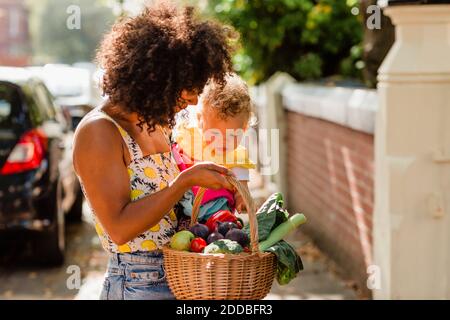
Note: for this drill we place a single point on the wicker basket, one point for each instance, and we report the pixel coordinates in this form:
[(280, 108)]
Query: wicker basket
[(198, 276)]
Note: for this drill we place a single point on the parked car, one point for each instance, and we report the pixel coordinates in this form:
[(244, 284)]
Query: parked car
[(38, 185), (73, 86)]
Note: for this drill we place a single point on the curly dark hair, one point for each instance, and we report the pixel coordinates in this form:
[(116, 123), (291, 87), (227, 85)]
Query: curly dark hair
[(148, 60)]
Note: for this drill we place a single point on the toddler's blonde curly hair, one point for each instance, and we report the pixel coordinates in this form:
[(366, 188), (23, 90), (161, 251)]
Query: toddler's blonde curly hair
[(228, 100)]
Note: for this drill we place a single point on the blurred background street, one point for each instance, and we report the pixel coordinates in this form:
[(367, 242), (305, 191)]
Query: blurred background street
[(21, 278), (313, 68), (47, 51)]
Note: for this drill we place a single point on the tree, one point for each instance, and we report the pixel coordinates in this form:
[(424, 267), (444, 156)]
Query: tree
[(377, 43), (57, 39), (309, 39)]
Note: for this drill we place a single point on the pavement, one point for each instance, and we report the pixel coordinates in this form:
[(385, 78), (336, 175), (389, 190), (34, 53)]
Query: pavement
[(21, 278), (319, 279)]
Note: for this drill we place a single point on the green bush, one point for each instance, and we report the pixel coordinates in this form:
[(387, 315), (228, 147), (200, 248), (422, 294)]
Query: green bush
[(309, 39)]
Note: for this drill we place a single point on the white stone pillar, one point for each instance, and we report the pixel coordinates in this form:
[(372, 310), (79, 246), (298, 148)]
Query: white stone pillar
[(412, 184)]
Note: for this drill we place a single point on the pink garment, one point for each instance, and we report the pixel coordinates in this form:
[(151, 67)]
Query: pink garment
[(209, 195), (178, 157)]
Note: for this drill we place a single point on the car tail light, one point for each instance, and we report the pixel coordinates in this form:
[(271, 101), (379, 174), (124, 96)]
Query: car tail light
[(27, 153)]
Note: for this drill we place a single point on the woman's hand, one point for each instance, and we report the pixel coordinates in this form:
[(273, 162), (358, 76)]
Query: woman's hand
[(207, 175)]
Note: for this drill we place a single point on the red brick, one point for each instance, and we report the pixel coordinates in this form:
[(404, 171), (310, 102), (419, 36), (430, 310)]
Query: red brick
[(338, 202)]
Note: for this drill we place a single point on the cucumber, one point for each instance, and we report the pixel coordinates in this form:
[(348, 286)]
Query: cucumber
[(282, 231)]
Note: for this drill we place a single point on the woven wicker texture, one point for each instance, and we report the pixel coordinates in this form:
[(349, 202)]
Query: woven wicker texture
[(245, 276)]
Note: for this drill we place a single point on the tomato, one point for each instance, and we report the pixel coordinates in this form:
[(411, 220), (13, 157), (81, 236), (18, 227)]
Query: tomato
[(198, 244)]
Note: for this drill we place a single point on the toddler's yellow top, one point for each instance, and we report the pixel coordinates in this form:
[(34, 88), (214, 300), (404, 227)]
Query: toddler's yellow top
[(190, 140)]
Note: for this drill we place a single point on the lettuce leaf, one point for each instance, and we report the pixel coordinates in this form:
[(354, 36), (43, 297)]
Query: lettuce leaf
[(269, 216), (289, 262)]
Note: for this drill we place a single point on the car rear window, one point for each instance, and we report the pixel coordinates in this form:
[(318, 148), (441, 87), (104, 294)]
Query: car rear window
[(10, 105)]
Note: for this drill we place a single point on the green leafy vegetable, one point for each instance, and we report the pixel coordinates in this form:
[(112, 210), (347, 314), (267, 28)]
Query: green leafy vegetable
[(282, 230), (223, 246), (289, 262), (270, 216)]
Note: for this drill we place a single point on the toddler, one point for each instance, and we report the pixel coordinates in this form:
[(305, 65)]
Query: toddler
[(222, 121)]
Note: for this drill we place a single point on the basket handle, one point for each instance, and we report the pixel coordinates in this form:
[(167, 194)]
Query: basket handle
[(248, 202)]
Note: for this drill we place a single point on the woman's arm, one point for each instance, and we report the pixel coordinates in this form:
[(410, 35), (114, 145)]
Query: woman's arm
[(99, 162)]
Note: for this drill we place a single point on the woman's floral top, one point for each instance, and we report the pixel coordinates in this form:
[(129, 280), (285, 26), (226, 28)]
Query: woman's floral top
[(148, 174)]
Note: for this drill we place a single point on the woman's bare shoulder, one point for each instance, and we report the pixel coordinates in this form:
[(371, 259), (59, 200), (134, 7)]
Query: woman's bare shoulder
[(93, 125), (96, 137)]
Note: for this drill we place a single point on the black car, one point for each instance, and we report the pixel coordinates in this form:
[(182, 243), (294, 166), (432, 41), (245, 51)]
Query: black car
[(38, 186), (77, 94)]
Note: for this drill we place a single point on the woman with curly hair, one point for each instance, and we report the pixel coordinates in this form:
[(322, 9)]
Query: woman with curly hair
[(155, 65)]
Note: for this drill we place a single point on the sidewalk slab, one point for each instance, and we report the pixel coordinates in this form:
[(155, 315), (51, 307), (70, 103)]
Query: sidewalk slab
[(317, 281)]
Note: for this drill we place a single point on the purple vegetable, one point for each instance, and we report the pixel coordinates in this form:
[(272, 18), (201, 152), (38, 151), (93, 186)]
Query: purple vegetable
[(200, 230), (214, 237), (239, 236), (224, 227)]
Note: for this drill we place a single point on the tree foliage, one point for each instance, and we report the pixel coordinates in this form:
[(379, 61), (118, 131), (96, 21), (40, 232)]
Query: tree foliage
[(309, 39), (377, 43)]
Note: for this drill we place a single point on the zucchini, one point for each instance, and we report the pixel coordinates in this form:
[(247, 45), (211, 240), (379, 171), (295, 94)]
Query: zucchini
[(282, 231)]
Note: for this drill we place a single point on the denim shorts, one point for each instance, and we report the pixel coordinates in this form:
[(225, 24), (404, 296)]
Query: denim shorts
[(136, 276)]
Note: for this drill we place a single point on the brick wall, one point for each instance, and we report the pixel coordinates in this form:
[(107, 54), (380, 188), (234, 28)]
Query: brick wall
[(330, 179)]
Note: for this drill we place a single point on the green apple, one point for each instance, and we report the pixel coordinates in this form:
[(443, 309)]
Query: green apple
[(182, 240)]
